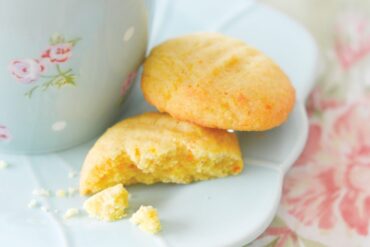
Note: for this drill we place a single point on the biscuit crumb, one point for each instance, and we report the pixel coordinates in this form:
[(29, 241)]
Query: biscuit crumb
[(109, 204), (146, 218), (3, 165), (61, 193), (72, 174), (45, 209), (33, 203), (41, 192), (70, 213), (72, 191)]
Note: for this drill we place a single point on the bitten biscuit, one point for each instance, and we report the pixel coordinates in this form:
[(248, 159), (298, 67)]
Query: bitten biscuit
[(217, 81), (154, 147)]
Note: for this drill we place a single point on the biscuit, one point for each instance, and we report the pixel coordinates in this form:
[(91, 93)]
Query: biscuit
[(218, 82), (154, 147)]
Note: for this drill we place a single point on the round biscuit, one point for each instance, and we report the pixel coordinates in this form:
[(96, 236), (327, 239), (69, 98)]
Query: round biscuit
[(217, 81)]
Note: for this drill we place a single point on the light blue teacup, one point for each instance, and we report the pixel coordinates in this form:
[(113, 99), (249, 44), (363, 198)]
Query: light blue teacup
[(65, 69)]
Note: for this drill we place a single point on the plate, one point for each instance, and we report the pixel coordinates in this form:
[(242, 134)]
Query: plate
[(224, 212)]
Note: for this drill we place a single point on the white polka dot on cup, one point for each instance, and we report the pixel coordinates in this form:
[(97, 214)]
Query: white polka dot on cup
[(59, 126), (129, 34)]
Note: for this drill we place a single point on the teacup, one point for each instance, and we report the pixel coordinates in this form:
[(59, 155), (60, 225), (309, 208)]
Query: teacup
[(66, 68)]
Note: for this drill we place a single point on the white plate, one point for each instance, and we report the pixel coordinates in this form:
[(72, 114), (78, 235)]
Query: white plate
[(224, 212)]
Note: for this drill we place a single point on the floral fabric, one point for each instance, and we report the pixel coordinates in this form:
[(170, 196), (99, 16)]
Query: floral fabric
[(326, 194)]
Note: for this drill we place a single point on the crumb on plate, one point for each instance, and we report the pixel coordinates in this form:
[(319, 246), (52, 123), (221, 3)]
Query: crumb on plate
[(3, 165), (70, 213), (33, 203), (72, 174), (72, 191), (45, 209), (109, 204), (41, 192), (146, 218), (61, 193)]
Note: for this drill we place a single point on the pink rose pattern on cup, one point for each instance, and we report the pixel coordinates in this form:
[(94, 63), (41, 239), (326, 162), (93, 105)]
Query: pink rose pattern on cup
[(326, 194), (33, 71), (126, 85), (27, 70), (59, 53), (128, 82), (4, 133)]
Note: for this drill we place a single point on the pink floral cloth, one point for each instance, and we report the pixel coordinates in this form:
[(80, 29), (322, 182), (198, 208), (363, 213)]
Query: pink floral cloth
[(326, 194)]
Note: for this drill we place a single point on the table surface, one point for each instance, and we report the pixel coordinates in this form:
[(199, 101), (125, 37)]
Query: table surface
[(326, 194)]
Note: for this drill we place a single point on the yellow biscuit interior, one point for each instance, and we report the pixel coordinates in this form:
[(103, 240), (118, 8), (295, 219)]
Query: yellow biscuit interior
[(154, 147)]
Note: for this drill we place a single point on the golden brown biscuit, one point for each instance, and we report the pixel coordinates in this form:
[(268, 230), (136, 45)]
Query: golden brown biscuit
[(154, 147), (218, 82)]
